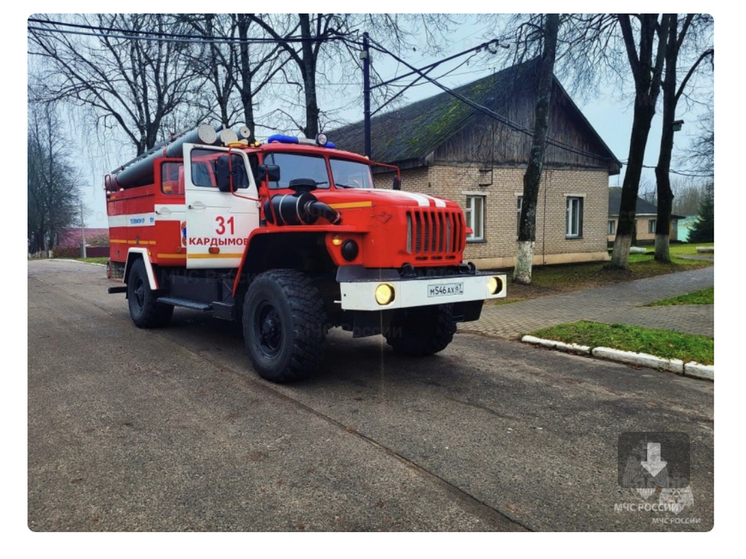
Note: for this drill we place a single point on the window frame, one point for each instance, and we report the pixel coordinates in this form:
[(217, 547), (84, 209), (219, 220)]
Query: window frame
[(574, 223), (476, 236)]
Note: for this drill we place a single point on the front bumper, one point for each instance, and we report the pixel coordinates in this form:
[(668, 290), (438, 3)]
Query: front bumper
[(421, 291)]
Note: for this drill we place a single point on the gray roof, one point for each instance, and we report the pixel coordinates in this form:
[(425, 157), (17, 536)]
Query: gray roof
[(413, 131), (643, 206)]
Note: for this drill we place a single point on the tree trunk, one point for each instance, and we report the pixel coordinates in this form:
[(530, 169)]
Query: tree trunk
[(308, 71), (663, 168), (647, 74), (532, 178), (247, 95)]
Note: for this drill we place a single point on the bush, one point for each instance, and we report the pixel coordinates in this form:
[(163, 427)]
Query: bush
[(66, 252), (703, 230)]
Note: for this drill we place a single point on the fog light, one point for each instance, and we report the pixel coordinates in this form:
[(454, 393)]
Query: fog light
[(350, 250), (384, 293), (495, 285)]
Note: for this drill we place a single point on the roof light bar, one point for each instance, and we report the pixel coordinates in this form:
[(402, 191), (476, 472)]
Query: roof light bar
[(321, 140)]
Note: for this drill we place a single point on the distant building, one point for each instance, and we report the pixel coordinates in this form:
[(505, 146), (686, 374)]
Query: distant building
[(684, 225), (646, 216), (73, 237), (446, 148), (71, 240)]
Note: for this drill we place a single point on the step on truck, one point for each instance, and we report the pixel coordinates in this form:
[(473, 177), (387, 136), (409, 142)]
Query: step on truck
[(288, 238)]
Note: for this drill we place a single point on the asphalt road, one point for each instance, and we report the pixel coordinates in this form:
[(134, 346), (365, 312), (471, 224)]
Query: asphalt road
[(171, 430)]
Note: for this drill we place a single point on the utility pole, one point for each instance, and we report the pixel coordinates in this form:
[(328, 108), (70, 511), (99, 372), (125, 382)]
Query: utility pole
[(82, 228), (365, 55)]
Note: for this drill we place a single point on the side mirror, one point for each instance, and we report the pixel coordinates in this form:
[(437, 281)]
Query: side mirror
[(222, 173), (268, 172), (230, 179), (397, 182)]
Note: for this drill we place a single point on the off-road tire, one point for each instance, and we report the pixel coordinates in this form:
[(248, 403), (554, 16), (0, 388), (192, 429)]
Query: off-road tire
[(421, 331), (145, 310), (284, 325)]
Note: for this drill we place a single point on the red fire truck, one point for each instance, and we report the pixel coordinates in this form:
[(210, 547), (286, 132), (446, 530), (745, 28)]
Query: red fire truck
[(288, 238)]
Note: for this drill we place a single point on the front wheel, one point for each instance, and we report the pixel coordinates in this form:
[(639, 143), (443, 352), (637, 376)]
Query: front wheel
[(145, 310), (421, 331), (284, 325)]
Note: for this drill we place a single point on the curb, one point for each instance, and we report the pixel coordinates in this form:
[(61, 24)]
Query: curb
[(676, 366)]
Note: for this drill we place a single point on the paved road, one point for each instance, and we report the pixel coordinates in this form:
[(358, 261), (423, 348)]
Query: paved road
[(170, 430), (617, 303)]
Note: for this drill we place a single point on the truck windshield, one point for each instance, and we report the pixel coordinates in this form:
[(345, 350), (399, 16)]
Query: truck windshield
[(294, 166), (350, 174)]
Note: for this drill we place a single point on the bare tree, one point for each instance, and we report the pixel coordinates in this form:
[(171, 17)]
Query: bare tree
[(700, 155), (688, 195), (646, 57), (312, 40), (235, 66), (214, 61), (532, 178), (315, 31), (672, 92), (255, 73), (53, 184), (124, 69)]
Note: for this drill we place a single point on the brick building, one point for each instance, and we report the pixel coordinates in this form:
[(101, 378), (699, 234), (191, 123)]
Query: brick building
[(646, 216), (447, 148)]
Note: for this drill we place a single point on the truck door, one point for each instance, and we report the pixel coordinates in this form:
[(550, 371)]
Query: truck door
[(222, 206)]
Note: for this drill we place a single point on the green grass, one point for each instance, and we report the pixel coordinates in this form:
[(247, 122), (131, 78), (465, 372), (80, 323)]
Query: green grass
[(96, 260), (661, 343), (561, 278), (688, 248), (703, 297)]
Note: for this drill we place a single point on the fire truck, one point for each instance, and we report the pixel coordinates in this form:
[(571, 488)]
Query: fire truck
[(288, 238)]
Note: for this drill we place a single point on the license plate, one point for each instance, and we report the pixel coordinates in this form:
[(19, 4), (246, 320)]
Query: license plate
[(445, 289)]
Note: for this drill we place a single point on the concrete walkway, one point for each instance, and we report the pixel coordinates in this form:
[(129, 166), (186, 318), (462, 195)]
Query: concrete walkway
[(618, 303)]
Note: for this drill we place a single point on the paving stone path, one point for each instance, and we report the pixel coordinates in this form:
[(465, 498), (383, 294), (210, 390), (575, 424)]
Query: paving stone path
[(618, 303)]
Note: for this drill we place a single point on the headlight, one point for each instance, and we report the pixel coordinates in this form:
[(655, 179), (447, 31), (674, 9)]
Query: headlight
[(495, 285), (385, 294)]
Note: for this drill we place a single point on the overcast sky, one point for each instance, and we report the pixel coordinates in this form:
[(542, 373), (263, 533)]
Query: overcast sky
[(610, 113)]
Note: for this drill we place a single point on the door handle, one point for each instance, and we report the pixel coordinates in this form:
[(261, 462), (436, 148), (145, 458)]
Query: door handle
[(197, 206)]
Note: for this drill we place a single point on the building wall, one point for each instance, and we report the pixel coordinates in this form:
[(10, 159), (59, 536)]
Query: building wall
[(504, 185), (643, 224)]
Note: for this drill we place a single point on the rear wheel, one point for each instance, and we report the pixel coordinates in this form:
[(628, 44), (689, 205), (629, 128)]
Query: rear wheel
[(145, 310), (284, 325), (421, 331)]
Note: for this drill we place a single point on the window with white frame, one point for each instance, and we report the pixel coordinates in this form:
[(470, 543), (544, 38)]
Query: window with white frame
[(611, 230), (651, 225), (474, 215), (518, 206), (574, 220)]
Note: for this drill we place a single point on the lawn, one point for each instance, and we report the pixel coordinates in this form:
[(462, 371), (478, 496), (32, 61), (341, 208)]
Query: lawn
[(703, 297), (661, 343), (560, 278)]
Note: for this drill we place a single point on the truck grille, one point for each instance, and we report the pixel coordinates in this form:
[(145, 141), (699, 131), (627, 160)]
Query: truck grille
[(432, 233)]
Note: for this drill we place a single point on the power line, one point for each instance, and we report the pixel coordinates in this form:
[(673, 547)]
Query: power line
[(135, 35), (682, 173)]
